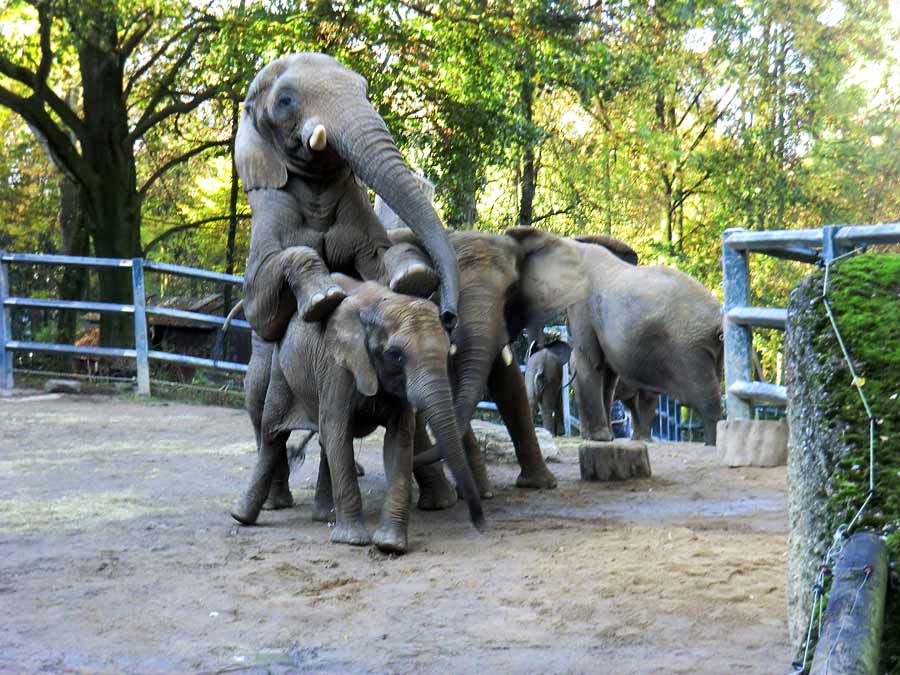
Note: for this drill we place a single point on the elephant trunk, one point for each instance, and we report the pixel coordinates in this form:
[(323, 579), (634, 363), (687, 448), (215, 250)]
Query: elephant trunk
[(477, 348), (360, 137), (431, 396)]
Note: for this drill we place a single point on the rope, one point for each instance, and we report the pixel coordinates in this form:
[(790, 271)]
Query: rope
[(842, 531)]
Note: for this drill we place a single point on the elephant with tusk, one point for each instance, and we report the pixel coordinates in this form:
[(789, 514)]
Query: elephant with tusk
[(378, 359), (307, 141)]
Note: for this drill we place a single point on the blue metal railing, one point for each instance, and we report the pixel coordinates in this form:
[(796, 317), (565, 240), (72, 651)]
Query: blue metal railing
[(141, 353)]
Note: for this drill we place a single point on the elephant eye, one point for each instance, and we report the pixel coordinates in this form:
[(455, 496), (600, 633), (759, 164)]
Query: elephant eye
[(393, 356)]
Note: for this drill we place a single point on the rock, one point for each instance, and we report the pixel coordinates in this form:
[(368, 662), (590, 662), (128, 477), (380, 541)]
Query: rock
[(63, 386), (498, 446), (613, 460), (752, 442)]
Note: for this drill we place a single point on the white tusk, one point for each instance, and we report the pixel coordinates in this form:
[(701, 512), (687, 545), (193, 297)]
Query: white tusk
[(453, 349), (507, 355), (318, 138)]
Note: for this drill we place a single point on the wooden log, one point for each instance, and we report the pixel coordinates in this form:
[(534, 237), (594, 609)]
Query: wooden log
[(850, 643), (613, 460)]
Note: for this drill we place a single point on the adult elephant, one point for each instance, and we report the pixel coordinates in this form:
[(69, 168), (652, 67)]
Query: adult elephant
[(378, 358), (652, 328), (544, 382), (307, 132), (507, 281)]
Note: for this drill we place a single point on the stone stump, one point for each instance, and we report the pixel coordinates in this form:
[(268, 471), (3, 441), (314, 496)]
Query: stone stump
[(752, 442), (613, 460)]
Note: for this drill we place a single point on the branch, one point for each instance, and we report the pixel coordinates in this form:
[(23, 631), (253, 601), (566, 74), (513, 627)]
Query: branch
[(43, 69), (175, 161), (155, 56), (558, 212), (189, 226), (148, 122), (63, 149)]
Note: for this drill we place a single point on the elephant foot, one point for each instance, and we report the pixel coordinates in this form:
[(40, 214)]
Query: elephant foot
[(280, 497), (390, 539), (416, 279), (354, 534), (541, 479), (245, 511), (435, 491), (323, 513), (321, 304)]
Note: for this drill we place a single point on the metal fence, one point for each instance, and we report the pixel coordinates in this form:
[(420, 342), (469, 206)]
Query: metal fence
[(139, 309), (809, 246)]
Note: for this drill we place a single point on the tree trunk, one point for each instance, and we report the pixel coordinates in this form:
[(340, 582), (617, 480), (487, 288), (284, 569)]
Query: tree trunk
[(113, 201), (232, 211), (73, 284), (529, 170)]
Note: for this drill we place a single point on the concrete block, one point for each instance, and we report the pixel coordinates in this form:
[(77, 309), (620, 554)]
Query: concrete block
[(752, 442), (614, 460)]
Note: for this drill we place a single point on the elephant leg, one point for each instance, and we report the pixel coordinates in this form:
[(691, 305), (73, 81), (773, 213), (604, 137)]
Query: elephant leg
[(273, 446), (477, 464), (508, 391), (547, 409), (292, 280), (435, 491), (410, 271), (646, 403), (558, 420), (335, 438), (280, 496), (391, 534), (323, 510), (590, 394)]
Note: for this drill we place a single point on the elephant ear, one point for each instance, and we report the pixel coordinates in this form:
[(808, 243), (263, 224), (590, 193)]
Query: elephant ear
[(551, 276), (616, 246), (258, 163), (345, 340)]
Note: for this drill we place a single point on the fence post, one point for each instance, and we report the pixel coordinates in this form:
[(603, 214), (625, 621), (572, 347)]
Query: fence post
[(829, 245), (567, 387), (6, 366), (141, 345), (736, 281)]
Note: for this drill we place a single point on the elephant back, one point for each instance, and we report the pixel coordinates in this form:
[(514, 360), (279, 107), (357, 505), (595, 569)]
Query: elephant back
[(616, 246)]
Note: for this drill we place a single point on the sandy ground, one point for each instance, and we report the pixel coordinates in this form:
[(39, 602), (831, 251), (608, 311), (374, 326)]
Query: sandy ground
[(117, 555)]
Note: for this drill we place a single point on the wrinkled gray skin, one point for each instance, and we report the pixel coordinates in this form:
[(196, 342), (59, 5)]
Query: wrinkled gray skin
[(544, 382), (310, 214), (506, 282), (379, 356), (652, 328)]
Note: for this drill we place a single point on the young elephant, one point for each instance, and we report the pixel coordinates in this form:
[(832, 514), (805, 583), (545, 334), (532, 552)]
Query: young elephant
[(306, 133), (379, 357), (652, 328), (544, 382)]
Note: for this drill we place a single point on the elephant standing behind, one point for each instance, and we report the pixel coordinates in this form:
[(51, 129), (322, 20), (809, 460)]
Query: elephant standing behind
[(544, 382), (306, 134), (380, 357), (652, 328), (507, 281)]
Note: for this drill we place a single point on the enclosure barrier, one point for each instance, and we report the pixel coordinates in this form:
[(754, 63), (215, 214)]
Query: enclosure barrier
[(809, 246), (141, 353)]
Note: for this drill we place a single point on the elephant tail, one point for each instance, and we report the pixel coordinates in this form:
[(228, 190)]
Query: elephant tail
[(616, 246), (218, 347)]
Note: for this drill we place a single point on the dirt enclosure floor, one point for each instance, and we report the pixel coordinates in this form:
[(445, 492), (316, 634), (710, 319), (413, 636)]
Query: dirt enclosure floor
[(117, 555)]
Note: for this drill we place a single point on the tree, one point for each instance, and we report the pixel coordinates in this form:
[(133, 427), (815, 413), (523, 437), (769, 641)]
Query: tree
[(137, 68)]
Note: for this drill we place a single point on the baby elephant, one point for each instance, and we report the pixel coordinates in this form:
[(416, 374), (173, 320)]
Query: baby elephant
[(379, 358), (544, 382)]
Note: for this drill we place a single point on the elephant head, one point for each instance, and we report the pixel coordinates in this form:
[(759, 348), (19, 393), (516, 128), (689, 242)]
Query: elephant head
[(396, 344), (307, 115)]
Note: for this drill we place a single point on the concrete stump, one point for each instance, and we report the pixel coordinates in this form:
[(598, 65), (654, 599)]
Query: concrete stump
[(613, 460), (63, 386), (752, 442)]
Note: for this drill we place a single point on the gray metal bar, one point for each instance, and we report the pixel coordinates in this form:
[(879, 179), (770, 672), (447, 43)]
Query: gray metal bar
[(745, 240), (197, 361), (141, 344), (567, 388), (850, 236), (24, 346), (829, 245), (193, 272), (6, 366), (765, 317), (747, 390), (738, 341), (850, 642), (71, 260), (195, 316), (77, 305), (798, 253)]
